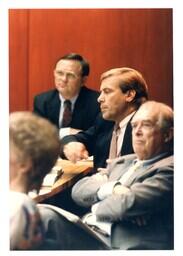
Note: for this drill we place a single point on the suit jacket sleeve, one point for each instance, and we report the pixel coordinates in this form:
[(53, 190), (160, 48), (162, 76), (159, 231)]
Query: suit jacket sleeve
[(47, 105), (149, 192), (147, 195), (38, 106), (85, 137), (91, 136), (85, 190)]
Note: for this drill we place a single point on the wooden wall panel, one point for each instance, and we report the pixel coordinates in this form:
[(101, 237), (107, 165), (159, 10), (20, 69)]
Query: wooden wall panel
[(18, 59), (138, 38)]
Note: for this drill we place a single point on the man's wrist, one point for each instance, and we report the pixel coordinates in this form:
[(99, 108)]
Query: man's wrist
[(105, 190), (120, 189), (64, 132)]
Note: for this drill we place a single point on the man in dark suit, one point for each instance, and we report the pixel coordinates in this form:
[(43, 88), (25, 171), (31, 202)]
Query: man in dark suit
[(71, 72), (132, 201), (123, 90)]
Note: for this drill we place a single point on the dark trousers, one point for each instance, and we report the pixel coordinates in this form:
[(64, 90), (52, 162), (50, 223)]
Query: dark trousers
[(62, 234)]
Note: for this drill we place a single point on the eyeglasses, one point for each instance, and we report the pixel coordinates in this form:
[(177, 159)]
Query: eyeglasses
[(68, 75)]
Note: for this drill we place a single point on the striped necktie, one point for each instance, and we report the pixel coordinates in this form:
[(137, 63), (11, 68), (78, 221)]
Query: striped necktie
[(67, 114), (113, 147)]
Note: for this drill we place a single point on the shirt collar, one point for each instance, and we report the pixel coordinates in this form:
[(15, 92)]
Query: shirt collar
[(152, 160), (126, 120), (73, 100)]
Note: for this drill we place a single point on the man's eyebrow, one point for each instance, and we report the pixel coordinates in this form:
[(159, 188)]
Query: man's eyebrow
[(107, 89), (143, 120), (147, 120), (67, 72)]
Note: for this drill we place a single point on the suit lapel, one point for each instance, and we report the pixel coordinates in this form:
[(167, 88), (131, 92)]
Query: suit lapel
[(78, 116), (127, 141), (120, 166), (54, 109), (145, 171), (141, 171)]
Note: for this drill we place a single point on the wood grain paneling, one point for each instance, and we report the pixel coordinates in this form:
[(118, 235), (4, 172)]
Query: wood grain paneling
[(18, 59), (108, 38)]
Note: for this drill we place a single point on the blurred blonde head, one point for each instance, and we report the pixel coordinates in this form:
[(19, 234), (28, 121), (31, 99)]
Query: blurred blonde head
[(34, 143)]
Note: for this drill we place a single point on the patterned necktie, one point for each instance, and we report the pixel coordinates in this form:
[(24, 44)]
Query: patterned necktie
[(113, 147), (67, 114), (130, 171)]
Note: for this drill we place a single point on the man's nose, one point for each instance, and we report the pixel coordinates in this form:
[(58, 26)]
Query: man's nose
[(138, 129), (64, 77), (100, 98)]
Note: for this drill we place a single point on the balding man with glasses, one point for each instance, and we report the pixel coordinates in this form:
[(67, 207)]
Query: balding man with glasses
[(71, 106)]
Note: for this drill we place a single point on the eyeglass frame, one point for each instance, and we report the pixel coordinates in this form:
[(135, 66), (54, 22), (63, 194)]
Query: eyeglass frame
[(69, 75)]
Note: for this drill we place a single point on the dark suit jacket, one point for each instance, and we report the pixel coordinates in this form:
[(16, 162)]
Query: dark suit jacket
[(86, 108), (150, 195), (97, 140)]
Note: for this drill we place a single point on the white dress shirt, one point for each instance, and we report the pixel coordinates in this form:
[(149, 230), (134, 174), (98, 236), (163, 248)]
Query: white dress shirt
[(122, 126)]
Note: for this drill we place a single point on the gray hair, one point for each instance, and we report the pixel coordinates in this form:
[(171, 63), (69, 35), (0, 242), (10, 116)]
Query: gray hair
[(34, 139)]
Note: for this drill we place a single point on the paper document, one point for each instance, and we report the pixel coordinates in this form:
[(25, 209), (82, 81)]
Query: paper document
[(51, 177), (91, 220)]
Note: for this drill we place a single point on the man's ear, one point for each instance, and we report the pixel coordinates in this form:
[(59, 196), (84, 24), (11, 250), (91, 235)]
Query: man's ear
[(25, 166), (168, 136), (84, 79), (130, 95)]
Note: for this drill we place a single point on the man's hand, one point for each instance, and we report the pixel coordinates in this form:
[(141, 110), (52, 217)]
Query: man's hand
[(75, 151), (139, 220), (120, 189), (74, 131), (100, 177), (102, 171)]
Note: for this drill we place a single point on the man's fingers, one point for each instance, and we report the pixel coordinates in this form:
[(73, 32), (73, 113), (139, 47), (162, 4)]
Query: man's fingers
[(75, 151), (101, 169), (108, 161), (85, 154)]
